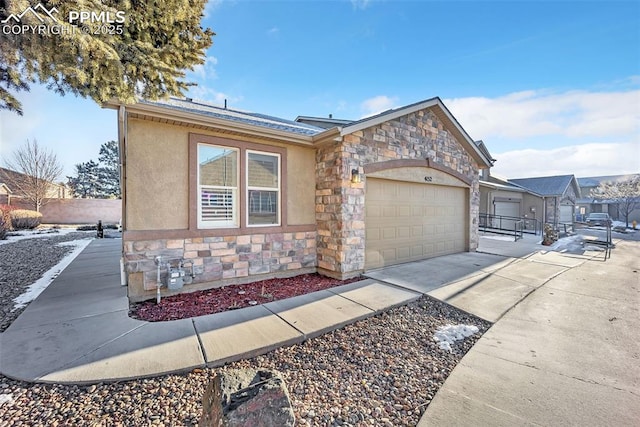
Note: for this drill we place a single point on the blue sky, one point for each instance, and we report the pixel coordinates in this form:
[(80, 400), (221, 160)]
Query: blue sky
[(551, 87)]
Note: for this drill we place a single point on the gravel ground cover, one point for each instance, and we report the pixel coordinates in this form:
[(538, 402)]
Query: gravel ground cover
[(381, 371), (23, 262)]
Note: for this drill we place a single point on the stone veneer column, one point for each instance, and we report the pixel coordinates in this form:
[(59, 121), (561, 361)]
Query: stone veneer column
[(340, 204), (339, 212)]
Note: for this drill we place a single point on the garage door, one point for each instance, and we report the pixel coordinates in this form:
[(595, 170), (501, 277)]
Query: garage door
[(508, 209), (406, 221), (566, 214)]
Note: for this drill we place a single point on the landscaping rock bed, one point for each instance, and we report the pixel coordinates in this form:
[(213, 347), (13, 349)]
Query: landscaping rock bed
[(211, 301), (382, 371)]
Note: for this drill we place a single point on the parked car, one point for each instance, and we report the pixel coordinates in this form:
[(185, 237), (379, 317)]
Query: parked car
[(601, 219)]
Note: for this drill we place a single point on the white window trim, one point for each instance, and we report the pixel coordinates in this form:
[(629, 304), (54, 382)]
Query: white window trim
[(234, 223), (278, 189)]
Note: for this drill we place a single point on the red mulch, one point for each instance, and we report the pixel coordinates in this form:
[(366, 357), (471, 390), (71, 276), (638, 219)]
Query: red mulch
[(232, 297)]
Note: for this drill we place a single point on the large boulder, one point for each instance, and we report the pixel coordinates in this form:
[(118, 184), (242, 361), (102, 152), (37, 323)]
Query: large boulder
[(247, 398)]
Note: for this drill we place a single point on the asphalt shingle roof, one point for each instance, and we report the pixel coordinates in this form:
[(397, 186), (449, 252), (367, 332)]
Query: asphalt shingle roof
[(206, 109), (545, 186)]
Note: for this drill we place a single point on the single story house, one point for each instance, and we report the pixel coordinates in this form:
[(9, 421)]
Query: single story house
[(557, 197), (589, 204), (15, 186), (501, 202), (5, 194), (247, 196)]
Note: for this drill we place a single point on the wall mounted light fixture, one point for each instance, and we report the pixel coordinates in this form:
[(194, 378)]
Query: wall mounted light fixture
[(355, 176)]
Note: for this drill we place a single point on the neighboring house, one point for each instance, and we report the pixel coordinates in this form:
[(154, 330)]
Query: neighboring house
[(501, 201), (5, 194), (588, 204), (12, 181), (558, 197), (247, 196)]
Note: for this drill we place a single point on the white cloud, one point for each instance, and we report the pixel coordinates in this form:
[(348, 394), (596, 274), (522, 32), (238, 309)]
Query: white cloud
[(273, 31), (210, 7), (211, 95), (377, 104), (572, 114), (592, 159), (206, 70), (360, 4)]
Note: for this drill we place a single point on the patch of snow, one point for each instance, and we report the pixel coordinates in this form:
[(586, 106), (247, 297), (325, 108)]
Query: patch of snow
[(41, 284), (497, 237), (568, 244), (14, 236), (449, 334), (6, 398)]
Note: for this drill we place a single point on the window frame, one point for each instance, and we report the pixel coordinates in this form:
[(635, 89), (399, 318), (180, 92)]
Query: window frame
[(242, 146), (247, 188), (235, 217)]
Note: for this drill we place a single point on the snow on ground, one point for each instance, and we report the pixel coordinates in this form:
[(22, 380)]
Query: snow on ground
[(574, 244), (41, 284), (498, 237), (6, 398), (449, 334), (14, 236)]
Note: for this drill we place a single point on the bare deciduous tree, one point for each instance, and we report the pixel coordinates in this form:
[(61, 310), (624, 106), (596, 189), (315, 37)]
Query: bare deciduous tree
[(626, 194), (38, 169)]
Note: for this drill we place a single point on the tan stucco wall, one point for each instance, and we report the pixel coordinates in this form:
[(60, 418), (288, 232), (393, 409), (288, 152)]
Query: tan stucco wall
[(158, 177), (301, 185), (529, 201)]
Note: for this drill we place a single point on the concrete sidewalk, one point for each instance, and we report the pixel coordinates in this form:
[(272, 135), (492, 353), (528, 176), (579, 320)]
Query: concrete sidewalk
[(564, 348), (568, 354), (78, 330)]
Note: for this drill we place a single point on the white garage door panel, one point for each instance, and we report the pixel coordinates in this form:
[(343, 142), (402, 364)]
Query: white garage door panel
[(566, 213), (410, 221), (509, 209)]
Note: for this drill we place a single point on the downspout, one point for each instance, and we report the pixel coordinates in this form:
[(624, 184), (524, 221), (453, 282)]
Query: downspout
[(122, 135)]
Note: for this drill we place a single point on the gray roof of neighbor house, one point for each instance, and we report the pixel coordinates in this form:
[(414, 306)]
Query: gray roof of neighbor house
[(256, 119), (546, 185)]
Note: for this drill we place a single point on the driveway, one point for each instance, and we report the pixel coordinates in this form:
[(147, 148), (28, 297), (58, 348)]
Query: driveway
[(567, 354)]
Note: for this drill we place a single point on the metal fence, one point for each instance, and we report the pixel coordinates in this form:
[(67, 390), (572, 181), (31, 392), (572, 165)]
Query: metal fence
[(509, 224)]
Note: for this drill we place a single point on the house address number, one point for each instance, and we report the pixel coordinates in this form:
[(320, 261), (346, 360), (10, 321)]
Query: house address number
[(428, 179)]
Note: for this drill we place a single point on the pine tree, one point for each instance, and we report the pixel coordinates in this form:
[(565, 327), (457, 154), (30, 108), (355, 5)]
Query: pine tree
[(109, 170), (146, 55), (86, 183)]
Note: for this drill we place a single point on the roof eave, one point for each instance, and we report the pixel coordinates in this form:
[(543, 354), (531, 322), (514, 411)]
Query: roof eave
[(333, 134), (215, 122)]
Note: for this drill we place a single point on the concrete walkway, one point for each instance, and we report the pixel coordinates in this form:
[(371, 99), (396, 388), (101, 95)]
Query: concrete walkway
[(564, 348), (78, 330), (568, 354)]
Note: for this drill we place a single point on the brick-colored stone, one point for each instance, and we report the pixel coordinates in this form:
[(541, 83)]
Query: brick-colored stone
[(175, 244), (257, 238), (243, 240), (230, 258)]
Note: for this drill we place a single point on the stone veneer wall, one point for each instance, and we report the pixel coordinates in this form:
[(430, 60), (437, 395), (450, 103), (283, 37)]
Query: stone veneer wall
[(340, 214), (225, 260)]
